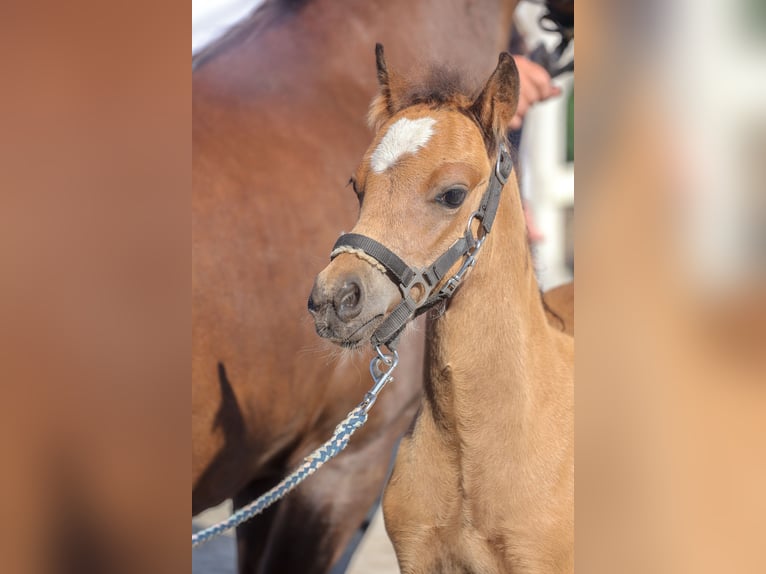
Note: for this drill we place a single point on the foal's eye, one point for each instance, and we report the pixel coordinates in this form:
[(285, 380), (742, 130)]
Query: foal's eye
[(453, 197)]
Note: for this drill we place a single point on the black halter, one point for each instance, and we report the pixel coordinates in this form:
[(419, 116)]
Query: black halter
[(426, 279)]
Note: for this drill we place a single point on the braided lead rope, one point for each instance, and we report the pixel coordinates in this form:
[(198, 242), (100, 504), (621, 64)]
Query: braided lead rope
[(313, 462)]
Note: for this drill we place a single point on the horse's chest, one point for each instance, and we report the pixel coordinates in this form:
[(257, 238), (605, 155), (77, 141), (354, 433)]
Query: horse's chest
[(451, 550), (433, 525)]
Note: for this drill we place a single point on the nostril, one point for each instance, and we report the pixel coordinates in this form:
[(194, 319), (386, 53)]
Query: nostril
[(347, 300), (313, 307), (351, 298)]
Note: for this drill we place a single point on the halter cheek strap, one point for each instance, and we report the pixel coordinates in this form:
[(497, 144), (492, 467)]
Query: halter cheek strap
[(409, 278)]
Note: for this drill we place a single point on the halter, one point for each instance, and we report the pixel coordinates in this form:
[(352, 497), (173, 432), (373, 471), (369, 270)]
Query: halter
[(426, 280)]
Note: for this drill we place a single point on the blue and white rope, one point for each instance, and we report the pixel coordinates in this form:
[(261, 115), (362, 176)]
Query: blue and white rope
[(355, 419)]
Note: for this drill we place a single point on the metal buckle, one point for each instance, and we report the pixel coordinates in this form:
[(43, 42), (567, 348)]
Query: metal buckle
[(454, 282), (451, 286), (381, 368), (470, 257)]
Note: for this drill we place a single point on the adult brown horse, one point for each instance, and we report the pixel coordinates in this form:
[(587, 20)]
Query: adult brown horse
[(278, 108)]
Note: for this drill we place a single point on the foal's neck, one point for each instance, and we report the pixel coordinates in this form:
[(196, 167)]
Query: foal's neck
[(485, 351)]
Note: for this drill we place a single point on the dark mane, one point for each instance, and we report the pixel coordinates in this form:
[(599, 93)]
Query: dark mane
[(442, 87)]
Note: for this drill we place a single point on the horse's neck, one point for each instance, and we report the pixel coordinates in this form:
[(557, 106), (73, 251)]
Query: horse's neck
[(486, 353)]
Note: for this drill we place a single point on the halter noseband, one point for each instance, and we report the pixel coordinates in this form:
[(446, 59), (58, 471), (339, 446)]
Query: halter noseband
[(409, 278)]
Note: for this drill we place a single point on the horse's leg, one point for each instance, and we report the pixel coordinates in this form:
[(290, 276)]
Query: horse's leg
[(314, 524), (253, 535)]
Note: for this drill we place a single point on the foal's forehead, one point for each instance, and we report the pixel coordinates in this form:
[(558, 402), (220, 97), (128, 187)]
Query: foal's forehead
[(420, 133)]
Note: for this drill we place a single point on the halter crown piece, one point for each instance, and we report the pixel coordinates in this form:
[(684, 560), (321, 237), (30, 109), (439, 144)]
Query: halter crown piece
[(408, 278)]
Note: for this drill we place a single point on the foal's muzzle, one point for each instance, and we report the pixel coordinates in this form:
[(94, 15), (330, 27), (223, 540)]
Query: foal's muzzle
[(348, 301)]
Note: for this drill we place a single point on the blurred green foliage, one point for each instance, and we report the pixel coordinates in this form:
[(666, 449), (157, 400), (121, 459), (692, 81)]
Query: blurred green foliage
[(755, 17)]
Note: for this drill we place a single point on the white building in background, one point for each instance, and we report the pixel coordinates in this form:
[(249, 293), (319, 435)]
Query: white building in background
[(547, 178), (548, 181)]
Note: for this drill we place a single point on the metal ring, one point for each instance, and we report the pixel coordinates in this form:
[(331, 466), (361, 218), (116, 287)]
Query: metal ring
[(476, 240), (388, 359)]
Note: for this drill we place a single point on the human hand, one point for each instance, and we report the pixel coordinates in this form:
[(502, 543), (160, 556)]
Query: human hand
[(534, 234), (535, 86)]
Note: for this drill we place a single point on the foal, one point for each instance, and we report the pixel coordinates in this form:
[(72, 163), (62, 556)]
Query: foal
[(483, 483)]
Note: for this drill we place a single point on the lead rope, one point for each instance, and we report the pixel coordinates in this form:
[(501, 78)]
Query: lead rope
[(381, 369)]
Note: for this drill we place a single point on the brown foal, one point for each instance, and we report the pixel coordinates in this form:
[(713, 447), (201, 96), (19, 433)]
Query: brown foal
[(483, 483)]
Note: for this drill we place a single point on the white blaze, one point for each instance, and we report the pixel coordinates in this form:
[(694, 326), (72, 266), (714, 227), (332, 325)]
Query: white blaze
[(404, 136)]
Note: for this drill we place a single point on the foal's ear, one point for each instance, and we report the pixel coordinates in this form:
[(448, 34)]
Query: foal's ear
[(383, 106), (496, 104)]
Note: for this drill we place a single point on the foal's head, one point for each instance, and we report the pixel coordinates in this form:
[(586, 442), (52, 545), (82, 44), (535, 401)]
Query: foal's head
[(417, 185)]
